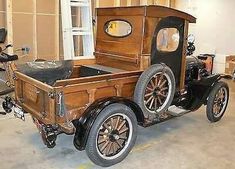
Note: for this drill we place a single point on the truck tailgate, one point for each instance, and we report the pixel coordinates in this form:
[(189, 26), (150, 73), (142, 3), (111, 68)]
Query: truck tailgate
[(35, 98)]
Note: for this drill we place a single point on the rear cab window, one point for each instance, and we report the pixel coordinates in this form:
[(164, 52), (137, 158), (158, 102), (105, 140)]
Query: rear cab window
[(118, 28)]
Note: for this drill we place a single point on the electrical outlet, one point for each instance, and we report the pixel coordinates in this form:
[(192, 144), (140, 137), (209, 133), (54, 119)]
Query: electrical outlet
[(26, 49)]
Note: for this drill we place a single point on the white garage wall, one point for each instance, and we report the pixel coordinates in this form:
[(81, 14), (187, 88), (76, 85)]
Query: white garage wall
[(215, 28)]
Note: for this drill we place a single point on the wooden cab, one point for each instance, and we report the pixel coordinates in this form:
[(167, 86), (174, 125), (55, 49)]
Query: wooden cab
[(136, 50)]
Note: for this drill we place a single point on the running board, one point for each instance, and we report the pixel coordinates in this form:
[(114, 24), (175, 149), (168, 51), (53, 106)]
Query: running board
[(177, 112)]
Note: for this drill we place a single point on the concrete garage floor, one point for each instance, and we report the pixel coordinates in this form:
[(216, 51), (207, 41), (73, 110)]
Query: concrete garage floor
[(188, 142)]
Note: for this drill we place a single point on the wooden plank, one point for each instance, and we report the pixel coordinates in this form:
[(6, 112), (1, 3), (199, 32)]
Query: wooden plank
[(135, 2), (84, 62), (2, 19), (26, 6), (97, 3), (47, 7), (128, 11), (106, 3), (143, 2), (25, 35), (9, 25), (129, 2), (133, 58), (117, 3), (57, 30), (36, 114), (184, 54), (117, 62), (46, 40), (68, 82), (52, 109), (35, 37), (172, 3), (150, 26), (162, 12), (2, 5), (34, 82)]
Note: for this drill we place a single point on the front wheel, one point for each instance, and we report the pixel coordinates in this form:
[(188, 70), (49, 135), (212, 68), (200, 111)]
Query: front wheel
[(217, 102), (112, 135)]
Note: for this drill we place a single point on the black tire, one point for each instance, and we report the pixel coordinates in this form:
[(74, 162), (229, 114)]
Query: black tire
[(220, 103), (95, 142), (142, 85)]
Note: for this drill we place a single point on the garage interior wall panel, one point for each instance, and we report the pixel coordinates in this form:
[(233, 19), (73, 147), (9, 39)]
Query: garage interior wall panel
[(61, 49), (106, 3), (123, 3), (46, 37), (2, 13), (2, 5), (23, 29), (135, 2), (35, 26), (46, 7), (22, 6), (46, 29), (2, 19), (162, 2), (23, 36)]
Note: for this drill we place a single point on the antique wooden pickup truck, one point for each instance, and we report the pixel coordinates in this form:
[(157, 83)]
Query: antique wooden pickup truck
[(140, 71)]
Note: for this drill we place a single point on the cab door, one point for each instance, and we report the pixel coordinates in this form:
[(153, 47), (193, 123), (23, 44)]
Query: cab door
[(167, 44)]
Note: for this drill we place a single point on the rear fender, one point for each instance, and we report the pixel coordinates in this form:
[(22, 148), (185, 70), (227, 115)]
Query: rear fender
[(84, 124)]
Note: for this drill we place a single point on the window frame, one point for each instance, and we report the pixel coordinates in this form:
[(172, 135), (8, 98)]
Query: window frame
[(123, 20), (161, 51)]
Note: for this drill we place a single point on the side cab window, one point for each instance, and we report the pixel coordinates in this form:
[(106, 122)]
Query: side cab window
[(167, 40)]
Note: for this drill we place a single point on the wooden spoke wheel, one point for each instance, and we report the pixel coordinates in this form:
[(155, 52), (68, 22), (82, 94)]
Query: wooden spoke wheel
[(220, 102), (155, 90), (112, 135), (156, 93), (217, 102)]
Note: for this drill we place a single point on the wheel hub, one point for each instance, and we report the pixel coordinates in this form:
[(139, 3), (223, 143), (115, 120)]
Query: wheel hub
[(156, 92), (114, 136)]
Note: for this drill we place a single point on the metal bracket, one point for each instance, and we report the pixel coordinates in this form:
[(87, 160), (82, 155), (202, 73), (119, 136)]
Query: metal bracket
[(61, 106), (51, 94)]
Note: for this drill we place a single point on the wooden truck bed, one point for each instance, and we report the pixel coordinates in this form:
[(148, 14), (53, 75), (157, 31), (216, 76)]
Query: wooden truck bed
[(66, 100)]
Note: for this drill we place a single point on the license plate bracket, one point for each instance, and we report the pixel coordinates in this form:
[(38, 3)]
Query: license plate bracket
[(19, 113)]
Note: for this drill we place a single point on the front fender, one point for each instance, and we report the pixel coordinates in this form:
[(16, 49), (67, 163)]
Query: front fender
[(200, 90), (84, 124)]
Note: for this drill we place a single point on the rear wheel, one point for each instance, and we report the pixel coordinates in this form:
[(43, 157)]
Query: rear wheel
[(217, 102), (112, 135)]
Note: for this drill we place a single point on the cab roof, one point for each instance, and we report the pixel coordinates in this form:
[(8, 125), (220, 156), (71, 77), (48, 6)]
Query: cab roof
[(147, 11)]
